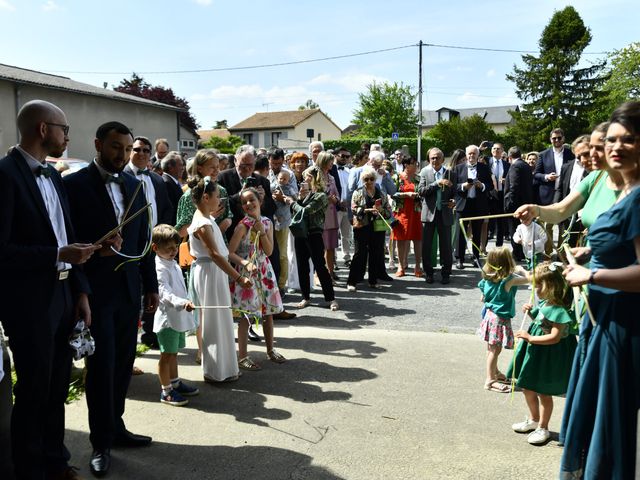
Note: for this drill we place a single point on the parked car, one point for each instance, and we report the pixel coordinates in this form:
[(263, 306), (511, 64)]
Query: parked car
[(67, 165)]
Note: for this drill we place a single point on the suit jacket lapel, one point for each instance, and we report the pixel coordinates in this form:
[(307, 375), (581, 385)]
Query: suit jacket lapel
[(30, 182), (98, 185)]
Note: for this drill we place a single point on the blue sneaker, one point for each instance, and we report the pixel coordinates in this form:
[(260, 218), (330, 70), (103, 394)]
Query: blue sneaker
[(186, 390), (173, 398)]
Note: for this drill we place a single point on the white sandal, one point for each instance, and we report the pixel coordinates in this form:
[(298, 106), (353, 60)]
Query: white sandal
[(304, 303), (334, 306)]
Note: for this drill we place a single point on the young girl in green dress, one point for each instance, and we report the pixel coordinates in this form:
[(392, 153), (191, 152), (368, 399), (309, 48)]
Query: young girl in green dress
[(542, 363)]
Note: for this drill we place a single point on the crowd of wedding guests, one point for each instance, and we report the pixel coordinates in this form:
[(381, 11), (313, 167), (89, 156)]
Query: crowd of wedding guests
[(204, 243)]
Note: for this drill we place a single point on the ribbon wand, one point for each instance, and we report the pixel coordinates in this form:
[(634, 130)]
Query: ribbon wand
[(117, 229), (577, 291)]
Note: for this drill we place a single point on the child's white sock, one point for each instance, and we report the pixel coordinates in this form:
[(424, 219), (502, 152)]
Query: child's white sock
[(166, 389), (175, 382)]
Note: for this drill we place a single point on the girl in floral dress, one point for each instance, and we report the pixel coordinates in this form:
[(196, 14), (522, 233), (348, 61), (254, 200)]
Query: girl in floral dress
[(498, 286), (249, 249)]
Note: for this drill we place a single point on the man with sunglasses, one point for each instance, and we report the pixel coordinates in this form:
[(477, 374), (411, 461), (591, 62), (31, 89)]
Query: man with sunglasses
[(155, 191), (547, 176)]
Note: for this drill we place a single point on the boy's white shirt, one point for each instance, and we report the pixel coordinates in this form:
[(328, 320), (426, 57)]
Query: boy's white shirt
[(173, 298), (528, 234)]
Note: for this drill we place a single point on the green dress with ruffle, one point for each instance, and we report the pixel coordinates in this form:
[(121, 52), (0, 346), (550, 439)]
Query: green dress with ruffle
[(545, 369)]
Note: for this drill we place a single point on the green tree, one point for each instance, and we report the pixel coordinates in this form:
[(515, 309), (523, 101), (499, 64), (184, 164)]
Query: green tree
[(622, 84), (386, 108), (458, 133), (309, 105), (221, 124), (225, 145), (556, 90)]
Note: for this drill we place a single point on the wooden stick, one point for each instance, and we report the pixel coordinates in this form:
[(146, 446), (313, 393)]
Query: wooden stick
[(487, 217), (221, 307), (577, 291), (135, 194), (115, 230)]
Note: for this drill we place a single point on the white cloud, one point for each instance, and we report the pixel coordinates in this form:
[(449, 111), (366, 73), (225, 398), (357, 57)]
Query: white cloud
[(5, 5), (468, 97), (491, 73), (356, 82), (50, 6), (204, 3)]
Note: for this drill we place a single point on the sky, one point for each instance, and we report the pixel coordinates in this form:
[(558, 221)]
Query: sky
[(96, 41)]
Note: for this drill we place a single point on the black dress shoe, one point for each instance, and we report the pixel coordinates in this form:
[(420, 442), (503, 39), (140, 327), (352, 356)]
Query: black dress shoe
[(445, 279), (284, 315), (460, 265), (128, 439), (428, 278), (385, 278), (253, 336), (100, 462)]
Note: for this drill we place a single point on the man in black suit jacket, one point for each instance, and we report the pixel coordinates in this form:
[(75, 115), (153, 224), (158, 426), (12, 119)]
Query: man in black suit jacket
[(44, 294), (161, 210), (99, 196), (234, 179), (499, 169), (572, 174), (472, 200), (173, 167), (547, 175), (518, 190)]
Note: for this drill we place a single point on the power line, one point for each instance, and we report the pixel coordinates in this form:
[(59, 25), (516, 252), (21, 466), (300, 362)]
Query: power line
[(313, 60), (247, 67)]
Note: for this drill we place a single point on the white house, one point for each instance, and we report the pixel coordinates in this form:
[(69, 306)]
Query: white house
[(291, 129), (498, 118)]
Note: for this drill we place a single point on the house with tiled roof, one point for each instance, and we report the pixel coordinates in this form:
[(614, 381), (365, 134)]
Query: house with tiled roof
[(289, 130), (498, 118), (87, 107)]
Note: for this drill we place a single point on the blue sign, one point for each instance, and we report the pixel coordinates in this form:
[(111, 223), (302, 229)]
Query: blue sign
[(395, 136)]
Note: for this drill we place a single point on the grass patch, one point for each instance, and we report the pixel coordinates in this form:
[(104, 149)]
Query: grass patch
[(141, 349)]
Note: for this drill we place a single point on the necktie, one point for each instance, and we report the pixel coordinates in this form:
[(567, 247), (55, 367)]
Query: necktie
[(115, 179), (438, 192), (43, 171), (144, 171)]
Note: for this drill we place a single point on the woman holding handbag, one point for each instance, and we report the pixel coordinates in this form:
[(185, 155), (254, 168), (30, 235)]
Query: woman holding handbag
[(371, 211), (307, 225)]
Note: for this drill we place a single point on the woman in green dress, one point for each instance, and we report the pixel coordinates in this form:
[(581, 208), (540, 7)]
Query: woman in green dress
[(542, 362)]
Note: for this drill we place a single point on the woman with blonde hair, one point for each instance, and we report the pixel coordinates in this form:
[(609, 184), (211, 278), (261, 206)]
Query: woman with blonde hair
[(324, 162)]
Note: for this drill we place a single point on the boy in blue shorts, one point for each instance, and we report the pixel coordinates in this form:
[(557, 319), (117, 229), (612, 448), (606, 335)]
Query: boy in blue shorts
[(173, 317)]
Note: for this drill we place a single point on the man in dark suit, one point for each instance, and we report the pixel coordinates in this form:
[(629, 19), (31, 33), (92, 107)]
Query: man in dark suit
[(472, 200), (499, 169), (437, 189), (155, 191), (173, 167), (234, 180), (99, 196), (572, 174), (518, 190), (44, 294), (547, 175)]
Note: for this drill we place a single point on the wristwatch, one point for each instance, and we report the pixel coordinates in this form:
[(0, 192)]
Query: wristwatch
[(592, 280)]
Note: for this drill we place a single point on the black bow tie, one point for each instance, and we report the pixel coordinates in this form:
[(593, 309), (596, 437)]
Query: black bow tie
[(43, 171), (114, 178), (341, 167), (144, 171), (472, 167)]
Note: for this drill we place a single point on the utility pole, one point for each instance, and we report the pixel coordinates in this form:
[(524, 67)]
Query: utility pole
[(420, 104)]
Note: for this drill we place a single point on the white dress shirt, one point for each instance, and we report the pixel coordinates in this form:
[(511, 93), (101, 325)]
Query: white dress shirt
[(149, 191), (558, 158), (343, 174), (114, 191), (498, 172), (51, 202), (576, 174)]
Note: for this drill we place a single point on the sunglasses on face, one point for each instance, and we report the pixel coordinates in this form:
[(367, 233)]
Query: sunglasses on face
[(556, 139), (368, 179), (140, 149)]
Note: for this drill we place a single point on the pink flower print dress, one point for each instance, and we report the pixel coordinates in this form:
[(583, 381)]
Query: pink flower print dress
[(263, 298)]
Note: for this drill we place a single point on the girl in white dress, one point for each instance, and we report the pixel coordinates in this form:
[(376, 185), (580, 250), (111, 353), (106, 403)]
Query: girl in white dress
[(210, 274)]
